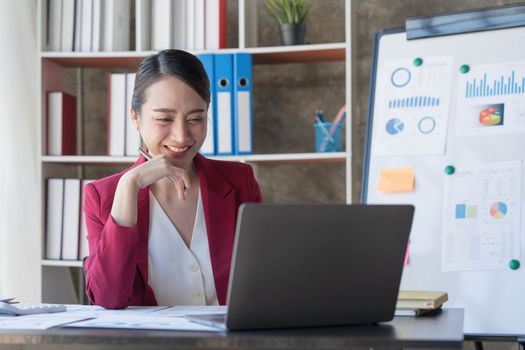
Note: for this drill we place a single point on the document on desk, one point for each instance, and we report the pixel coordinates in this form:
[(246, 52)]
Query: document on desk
[(190, 310), (143, 322), (92, 311), (38, 322)]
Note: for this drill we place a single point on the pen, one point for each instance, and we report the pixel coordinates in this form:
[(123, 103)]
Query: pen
[(338, 120), (319, 119), (144, 153), (148, 157)]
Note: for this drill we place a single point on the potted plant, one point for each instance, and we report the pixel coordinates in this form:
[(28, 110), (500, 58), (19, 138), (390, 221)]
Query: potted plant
[(291, 15)]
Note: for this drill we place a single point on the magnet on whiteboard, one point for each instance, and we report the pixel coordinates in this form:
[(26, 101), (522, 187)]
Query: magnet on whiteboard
[(514, 264), (464, 68)]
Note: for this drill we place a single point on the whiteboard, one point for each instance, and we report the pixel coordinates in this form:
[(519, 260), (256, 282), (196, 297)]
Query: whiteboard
[(492, 295)]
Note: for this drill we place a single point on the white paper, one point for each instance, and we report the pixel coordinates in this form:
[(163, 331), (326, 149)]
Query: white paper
[(481, 217), (491, 100), (412, 107), (143, 322), (92, 311), (40, 321), (190, 310)]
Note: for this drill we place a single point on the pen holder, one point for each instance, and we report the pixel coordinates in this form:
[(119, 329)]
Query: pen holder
[(324, 142)]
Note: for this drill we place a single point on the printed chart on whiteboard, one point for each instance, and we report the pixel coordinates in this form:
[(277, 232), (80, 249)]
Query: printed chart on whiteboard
[(481, 217), (413, 106), (491, 99)]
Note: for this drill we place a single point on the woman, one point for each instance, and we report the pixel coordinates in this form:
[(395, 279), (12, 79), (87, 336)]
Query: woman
[(162, 231)]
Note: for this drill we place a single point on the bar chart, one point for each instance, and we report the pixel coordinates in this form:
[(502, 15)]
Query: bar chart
[(414, 101), (504, 84)]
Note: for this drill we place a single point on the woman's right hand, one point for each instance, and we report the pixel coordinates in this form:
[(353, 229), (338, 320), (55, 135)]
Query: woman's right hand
[(158, 167), (124, 210)]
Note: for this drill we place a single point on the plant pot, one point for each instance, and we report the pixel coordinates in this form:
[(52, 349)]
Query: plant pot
[(293, 33)]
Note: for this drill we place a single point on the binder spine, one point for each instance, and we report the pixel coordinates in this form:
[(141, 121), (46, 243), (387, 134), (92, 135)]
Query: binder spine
[(224, 101), (243, 103)]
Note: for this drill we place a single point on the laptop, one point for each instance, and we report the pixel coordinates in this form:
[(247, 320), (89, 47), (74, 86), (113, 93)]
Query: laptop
[(314, 265)]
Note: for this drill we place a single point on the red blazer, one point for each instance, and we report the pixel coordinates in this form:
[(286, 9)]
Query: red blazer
[(117, 265)]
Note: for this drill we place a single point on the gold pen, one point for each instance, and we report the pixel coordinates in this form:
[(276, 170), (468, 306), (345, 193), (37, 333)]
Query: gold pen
[(148, 157)]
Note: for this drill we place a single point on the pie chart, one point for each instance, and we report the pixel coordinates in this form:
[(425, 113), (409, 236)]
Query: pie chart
[(490, 116), (498, 210), (394, 126)]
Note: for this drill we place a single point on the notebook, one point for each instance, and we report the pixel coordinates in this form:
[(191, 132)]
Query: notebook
[(314, 265)]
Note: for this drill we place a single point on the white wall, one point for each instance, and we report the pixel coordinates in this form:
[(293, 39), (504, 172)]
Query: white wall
[(19, 216)]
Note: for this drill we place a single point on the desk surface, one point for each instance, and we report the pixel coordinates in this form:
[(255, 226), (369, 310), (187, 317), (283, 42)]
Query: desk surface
[(442, 330)]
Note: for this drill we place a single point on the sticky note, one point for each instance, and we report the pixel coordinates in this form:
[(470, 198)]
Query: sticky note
[(396, 180)]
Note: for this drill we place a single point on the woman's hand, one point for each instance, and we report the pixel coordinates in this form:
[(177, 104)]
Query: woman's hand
[(156, 168), (124, 209)]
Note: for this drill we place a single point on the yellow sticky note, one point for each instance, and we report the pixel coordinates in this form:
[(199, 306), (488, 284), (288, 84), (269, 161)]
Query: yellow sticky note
[(396, 180)]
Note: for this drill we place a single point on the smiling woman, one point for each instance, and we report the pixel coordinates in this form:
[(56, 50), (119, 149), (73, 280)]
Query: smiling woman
[(161, 232)]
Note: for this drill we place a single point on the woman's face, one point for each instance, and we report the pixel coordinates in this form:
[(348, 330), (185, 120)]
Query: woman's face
[(173, 120)]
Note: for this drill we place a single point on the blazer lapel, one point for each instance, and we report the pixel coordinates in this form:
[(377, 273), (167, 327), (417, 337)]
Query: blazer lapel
[(220, 212), (143, 217)]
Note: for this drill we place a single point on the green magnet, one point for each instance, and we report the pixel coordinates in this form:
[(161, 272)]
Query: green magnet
[(464, 68), (514, 264), (449, 170), (418, 61)]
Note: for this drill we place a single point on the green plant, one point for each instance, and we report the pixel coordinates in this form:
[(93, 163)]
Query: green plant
[(289, 11)]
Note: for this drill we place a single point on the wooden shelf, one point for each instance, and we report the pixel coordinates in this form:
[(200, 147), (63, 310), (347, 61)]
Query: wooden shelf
[(64, 263), (261, 55), (283, 158)]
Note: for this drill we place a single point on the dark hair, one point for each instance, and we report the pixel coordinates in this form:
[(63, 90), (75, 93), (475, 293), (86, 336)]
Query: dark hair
[(175, 63)]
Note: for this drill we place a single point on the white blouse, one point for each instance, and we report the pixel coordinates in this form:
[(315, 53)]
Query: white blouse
[(179, 275)]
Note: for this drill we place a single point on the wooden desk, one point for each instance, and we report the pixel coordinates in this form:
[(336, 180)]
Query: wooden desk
[(443, 330)]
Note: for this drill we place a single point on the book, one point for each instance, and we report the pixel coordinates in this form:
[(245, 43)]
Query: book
[(68, 26), (78, 26), (132, 137), (200, 25), (54, 214), (116, 139), (179, 24), (414, 312), (71, 219), (61, 124), (87, 25), (142, 25), (54, 22), (190, 25), (84, 244), (209, 145), (161, 24), (97, 25), (420, 299), (116, 26), (216, 24)]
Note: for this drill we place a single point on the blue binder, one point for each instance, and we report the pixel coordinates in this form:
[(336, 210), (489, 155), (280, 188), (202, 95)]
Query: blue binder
[(242, 106), (224, 104), (209, 147)]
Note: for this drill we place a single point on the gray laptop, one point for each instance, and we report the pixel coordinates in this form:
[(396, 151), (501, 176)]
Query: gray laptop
[(314, 265)]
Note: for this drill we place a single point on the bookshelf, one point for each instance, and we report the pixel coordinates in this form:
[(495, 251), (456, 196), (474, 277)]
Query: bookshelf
[(63, 71)]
